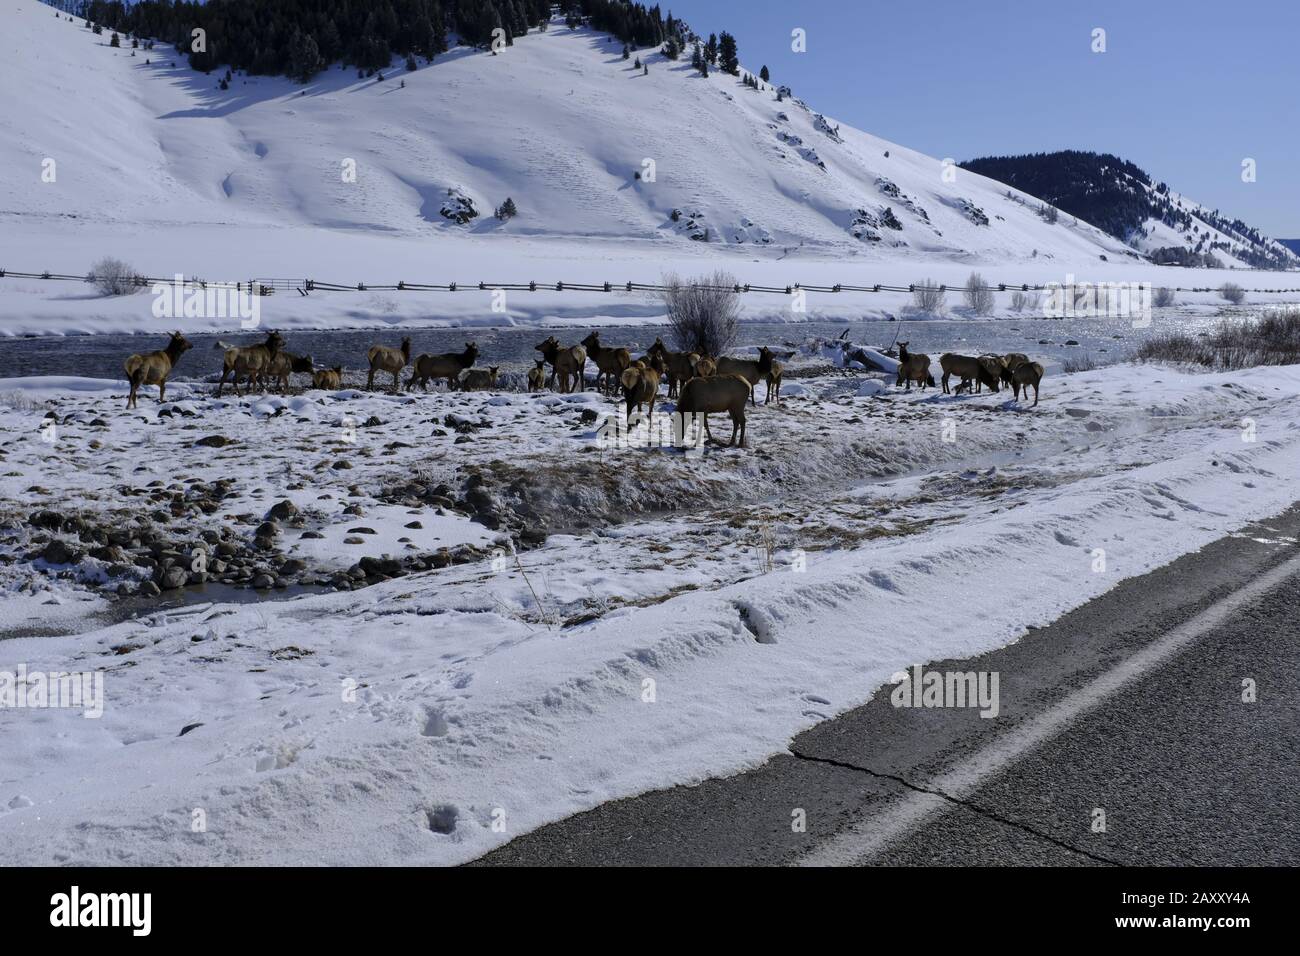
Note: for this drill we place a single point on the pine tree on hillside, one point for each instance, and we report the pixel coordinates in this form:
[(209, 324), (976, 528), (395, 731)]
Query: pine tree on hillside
[(304, 57), (115, 40), (764, 75), (626, 54), (711, 50), (727, 54)]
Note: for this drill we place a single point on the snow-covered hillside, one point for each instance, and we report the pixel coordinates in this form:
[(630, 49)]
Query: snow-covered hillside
[(559, 122)]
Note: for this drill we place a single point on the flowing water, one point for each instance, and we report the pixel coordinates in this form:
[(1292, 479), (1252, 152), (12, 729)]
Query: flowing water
[(1103, 340)]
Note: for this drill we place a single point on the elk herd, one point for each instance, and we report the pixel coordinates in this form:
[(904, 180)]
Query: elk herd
[(700, 384)]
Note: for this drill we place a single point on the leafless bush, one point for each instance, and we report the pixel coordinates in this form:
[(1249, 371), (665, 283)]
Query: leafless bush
[(704, 313), (1163, 297), (1269, 340), (1233, 293), (978, 296), (114, 277), (928, 297), (1084, 363)]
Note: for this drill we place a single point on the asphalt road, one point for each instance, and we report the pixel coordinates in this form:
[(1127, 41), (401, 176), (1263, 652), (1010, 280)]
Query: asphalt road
[(1131, 705)]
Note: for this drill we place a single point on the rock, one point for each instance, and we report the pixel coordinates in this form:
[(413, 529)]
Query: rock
[(50, 520), (267, 529), (311, 534), (60, 552), (263, 581), (214, 441), (1078, 412), (354, 540), (293, 566), (533, 534), (341, 465), (414, 524), (282, 510), (174, 578), (385, 567), (361, 530), (149, 589), (589, 415)]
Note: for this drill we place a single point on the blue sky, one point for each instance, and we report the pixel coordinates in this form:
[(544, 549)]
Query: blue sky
[(1186, 90)]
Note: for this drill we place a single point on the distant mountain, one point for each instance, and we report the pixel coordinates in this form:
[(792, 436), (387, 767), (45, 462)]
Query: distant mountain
[(1120, 198)]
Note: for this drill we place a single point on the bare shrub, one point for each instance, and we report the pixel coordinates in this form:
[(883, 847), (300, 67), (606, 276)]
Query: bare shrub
[(1232, 293), (1084, 363), (1268, 340), (704, 313), (114, 277), (928, 296), (1163, 297), (978, 296)]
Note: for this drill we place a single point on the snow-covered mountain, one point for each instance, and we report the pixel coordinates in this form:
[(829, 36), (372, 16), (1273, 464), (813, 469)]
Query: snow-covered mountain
[(1128, 203), (586, 145)]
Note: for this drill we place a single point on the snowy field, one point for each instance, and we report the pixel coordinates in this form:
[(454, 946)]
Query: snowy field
[(635, 618)]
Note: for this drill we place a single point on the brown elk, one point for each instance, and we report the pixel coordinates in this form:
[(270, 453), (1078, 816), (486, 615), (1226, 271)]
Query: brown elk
[(640, 385), (385, 358), (966, 368), (774, 383), (718, 393), (752, 370), (250, 361), (330, 379), (1009, 362), (282, 365), (1024, 375), (913, 368), (537, 376), (447, 365), (705, 367), (478, 379), (679, 367), (152, 368), (611, 362), (569, 364)]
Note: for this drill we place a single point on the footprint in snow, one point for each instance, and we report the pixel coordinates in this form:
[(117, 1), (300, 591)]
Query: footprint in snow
[(1065, 539)]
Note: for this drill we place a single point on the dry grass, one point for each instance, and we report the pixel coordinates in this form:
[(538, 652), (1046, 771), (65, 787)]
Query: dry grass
[(1269, 340)]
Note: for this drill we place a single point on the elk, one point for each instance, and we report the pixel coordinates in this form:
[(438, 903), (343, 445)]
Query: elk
[(329, 379), (611, 362), (569, 363), (152, 368), (640, 385), (705, 367), (1009, 362), (967, 369), (774, 383), (753, 371), (679, 367), (537, 376), (719, 393), (282, 365), (1024, 375), (448, 365), (250, 361), (384, 358), (913, 368), (477, 379)]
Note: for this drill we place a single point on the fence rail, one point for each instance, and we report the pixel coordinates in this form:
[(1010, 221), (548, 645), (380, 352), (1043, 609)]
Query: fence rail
[(262, 286)]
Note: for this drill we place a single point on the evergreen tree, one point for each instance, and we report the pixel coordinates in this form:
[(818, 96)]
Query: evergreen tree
[(626, 54), (764, 75), (115, 40), (304, 57), (727, 54), (711, 50)]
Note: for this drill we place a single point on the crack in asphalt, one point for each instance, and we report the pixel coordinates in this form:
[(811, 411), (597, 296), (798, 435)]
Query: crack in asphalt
[(958, 801)]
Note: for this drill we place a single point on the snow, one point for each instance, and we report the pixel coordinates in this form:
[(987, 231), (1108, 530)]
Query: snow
[(395, 723), (157, 167)]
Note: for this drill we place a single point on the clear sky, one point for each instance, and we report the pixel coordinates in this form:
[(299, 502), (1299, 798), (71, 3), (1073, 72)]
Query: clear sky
[(1187, 89)]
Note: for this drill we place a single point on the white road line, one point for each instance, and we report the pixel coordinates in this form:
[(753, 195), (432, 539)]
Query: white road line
[(870, 835)]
